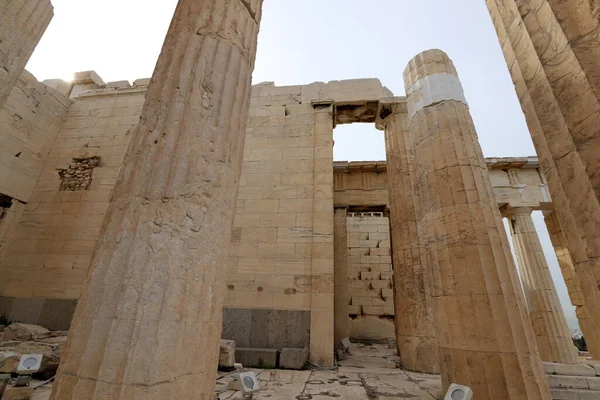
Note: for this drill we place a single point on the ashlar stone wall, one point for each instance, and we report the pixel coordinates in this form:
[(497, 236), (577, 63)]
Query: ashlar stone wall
[(29, 123), (51, 248), (371, 299)]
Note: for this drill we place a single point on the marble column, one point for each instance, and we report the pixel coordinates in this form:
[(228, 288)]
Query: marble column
[(546, 314), (22, 24), (558, 97), (483, 332), (415, 330), (588, 328), (148, 324), (340, 236)]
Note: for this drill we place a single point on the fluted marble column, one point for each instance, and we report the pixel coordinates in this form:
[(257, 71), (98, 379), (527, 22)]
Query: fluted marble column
[(546, 313), (148, 324), (484, 335), (22, 24), (340, 273), (580, 22), (588, 328), (415, 330), (557, 91)]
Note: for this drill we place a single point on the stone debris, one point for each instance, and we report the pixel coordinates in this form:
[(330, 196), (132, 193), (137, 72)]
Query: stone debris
[(22, 332), (227, 353), (31, 339), (17, 393)]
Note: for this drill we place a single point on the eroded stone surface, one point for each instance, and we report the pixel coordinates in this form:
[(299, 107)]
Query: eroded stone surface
[(476, 289), (22, 22), (557, 86), (415, 325), (545, 311), (153, 302)]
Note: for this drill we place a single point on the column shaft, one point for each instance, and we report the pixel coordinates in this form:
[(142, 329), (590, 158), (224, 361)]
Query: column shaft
[(340, 234), (148, 324), (22, 24), (483, 332), (588, 328), (415, 330), (580, 22), (546, 313), (575, 201), (575, 106)]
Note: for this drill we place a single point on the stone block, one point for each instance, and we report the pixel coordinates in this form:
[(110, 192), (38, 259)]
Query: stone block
[(141, 82), (17, 393), (264, 328), (567, 382), (118, 84), (256, 358), (87, 77), (9, 360), (26, 310), (595, 365), (573, 369), (293, 358), (574, 394), (18, 331), (227, 354), (593, 382), (57, 314)]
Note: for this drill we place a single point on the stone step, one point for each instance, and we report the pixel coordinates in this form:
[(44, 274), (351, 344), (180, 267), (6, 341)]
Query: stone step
[(589, 368), (573, 382), (575, 394)]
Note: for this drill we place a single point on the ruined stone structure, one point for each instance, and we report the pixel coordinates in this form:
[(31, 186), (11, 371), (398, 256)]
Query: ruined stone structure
[(119, 198)]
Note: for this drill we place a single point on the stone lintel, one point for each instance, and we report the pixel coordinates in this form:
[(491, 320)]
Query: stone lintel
[(512, 162)]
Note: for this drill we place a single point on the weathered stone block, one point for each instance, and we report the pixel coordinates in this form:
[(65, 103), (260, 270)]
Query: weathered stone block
[(570, 382), (18, 331), (257, 358), (227, 354), (573, 369), (293, 358), (9, 360), (17, 393)]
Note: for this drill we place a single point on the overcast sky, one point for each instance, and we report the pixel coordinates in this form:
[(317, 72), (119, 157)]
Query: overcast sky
[(303, 41)]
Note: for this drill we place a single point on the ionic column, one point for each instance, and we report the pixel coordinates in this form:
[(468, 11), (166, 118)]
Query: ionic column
[(22, 24), (340, 267), (483, 332), (546, 313), (588, 328), (415, 330), (148, 324)]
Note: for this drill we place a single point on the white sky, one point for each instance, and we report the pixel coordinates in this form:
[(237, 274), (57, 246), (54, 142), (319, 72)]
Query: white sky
[(303, 41)]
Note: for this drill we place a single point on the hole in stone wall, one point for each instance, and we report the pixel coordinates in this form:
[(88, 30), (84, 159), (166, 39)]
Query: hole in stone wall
[(358, 142), (5, 204), (79, 174)]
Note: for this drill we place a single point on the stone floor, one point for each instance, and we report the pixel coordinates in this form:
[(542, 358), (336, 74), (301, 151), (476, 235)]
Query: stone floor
[(368, 374)]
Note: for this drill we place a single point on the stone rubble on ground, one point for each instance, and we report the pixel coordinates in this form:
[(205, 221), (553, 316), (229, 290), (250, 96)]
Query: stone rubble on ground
[(18, 339)]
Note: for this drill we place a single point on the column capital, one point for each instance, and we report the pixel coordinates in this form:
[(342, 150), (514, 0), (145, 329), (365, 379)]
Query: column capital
[(389, 107), (512, 211)]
